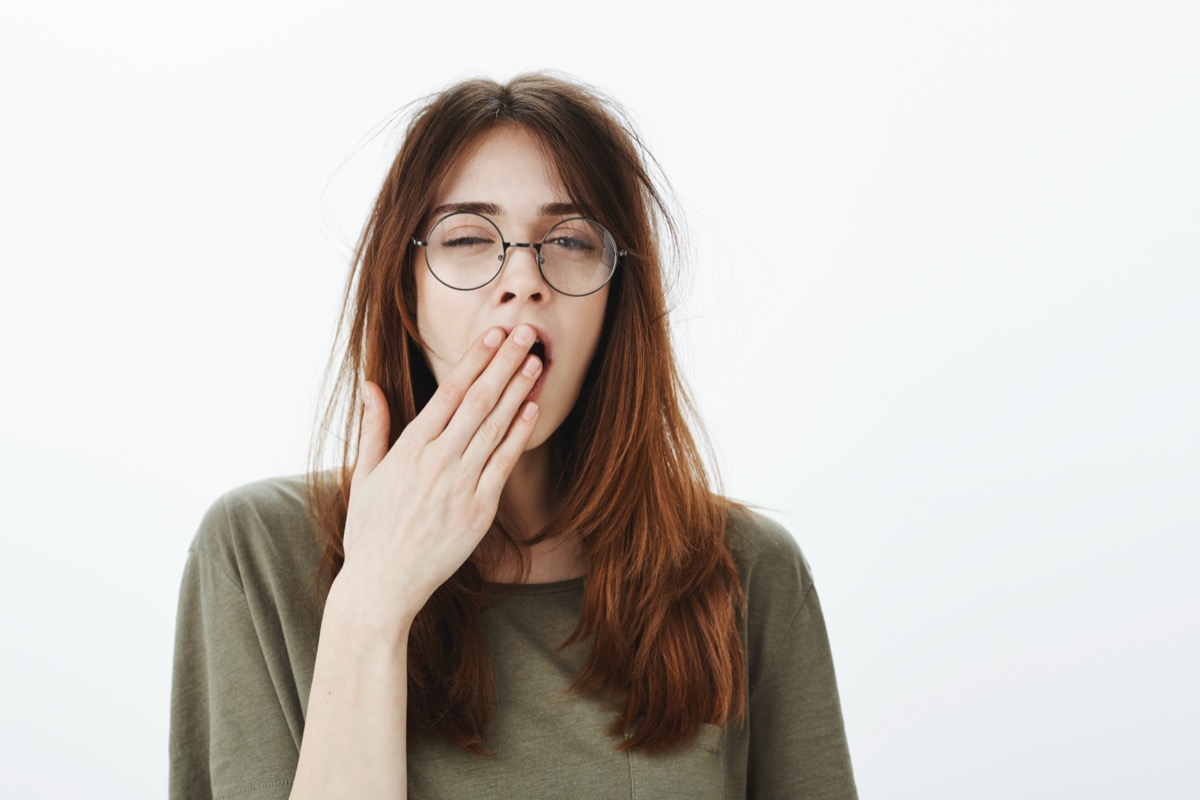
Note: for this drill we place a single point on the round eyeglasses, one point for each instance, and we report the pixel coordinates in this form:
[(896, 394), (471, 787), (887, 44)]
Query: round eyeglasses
[(466, 251)]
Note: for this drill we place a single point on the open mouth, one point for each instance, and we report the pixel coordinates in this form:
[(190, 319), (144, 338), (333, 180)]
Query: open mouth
[(539, 349)]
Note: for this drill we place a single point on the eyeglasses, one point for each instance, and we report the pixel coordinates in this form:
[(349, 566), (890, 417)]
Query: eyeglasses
[(466, 251)]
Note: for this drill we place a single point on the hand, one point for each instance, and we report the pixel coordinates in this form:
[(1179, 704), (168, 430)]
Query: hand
[(418, 511)]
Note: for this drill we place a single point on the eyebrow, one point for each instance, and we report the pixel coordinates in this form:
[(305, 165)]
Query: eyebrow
[(475, 207)]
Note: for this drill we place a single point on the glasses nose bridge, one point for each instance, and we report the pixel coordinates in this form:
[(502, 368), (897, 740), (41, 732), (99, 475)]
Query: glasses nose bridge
[(536, 247)]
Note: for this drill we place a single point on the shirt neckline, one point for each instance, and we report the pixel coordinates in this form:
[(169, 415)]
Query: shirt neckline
[(554, 587)]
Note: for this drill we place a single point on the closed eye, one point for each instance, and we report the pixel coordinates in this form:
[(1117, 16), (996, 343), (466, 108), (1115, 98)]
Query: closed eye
[(572, 243), (465, 241)]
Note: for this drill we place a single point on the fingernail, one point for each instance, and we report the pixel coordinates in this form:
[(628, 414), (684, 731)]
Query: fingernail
[(530, 411), (493, 338), (523, 335), (532, 365)]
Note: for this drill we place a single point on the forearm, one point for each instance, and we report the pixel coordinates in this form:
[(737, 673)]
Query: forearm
[(418, 509), (354, 743)]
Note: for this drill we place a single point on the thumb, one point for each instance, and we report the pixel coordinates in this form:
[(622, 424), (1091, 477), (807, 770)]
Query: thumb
[(373, 435)]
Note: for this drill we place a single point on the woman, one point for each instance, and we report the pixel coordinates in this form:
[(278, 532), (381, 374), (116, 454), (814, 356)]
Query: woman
[(521, 584)]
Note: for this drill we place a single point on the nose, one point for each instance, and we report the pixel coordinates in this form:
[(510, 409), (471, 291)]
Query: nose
[(520, 276)]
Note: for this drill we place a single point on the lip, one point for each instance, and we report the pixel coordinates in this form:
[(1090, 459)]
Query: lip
[(542, 334)]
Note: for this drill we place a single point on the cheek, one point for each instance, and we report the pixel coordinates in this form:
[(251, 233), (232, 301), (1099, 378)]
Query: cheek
[(595, 316), (442, 350), (590, 322)]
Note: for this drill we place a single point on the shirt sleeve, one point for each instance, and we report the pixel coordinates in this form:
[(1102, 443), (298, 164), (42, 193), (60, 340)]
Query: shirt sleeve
[(798, 748), (228, 733)]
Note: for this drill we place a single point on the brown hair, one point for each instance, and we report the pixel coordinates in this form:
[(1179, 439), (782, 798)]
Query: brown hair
[(662, 597)]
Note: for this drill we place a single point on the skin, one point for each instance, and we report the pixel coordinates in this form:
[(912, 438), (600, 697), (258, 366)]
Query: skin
[(419, 509), (508, 169)]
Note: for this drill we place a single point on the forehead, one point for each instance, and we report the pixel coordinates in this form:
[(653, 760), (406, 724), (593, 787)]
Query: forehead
[(506, 167)]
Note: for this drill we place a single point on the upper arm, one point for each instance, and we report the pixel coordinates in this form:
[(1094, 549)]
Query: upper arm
[(795, 740), (798, 746), (228, 733)]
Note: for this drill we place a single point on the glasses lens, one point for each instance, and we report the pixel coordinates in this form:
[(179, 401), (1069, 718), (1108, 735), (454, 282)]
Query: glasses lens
[(578, 256), (464, 251)]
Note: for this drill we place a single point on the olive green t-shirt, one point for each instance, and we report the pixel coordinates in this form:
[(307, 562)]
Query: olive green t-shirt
[(246, 643)]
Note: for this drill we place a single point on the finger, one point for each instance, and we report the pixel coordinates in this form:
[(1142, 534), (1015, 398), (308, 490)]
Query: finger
[(373, 433), (453, 388), (504, 459), (483, 395), (496, 424)]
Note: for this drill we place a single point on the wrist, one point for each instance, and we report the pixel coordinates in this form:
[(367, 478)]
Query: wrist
[(360, 615)]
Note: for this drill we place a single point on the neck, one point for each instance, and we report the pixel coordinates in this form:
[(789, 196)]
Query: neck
[(528, 495), (527, 491)]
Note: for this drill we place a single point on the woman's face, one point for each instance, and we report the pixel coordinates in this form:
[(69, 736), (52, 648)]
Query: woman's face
[(507, 173)]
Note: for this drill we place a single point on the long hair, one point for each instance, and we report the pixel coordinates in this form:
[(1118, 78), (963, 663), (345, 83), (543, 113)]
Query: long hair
[(662, 598)]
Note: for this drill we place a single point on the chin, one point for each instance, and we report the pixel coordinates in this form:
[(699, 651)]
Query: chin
[(549, 424), (541, 435)]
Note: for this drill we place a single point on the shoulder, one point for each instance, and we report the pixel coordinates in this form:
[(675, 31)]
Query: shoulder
[(768, 556), (777, 582), (260, 529)]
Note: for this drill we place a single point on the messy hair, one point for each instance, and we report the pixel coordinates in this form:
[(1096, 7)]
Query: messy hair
[(662, 599)]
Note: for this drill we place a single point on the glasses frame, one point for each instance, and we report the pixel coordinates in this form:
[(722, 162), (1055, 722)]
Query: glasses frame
[(535, 246)]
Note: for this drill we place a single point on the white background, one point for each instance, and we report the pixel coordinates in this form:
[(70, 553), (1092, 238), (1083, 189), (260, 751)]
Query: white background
[(942, 320)]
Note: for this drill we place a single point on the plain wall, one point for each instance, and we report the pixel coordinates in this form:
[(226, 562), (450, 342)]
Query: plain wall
[(941, 320)]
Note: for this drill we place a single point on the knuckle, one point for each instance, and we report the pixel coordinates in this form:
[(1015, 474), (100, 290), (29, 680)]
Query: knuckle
[(491, 429), (453, 388), (407, 448), (505, 457), (477, 402), (407, 443), (435, 459)]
